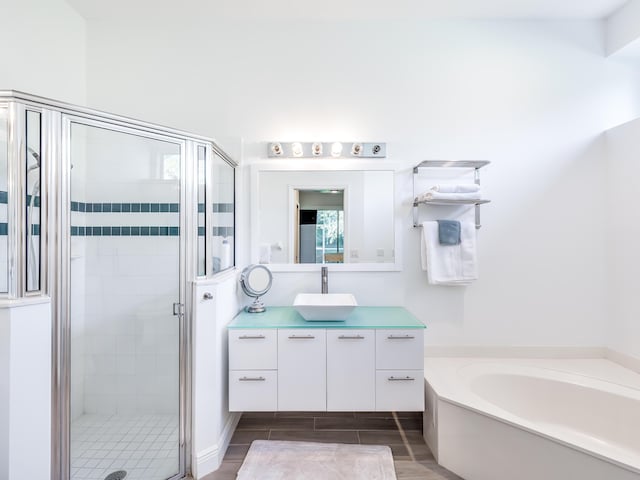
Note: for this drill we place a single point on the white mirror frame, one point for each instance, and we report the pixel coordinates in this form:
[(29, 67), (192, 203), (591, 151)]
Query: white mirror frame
[(296, 165)]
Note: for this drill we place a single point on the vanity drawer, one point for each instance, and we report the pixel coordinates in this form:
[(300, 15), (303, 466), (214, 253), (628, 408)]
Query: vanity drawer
[(253, 349), (400, 390), (253, 391), (399, 349)]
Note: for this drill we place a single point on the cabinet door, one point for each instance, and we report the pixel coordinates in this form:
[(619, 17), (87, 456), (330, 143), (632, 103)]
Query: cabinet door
[(351, 370), (302, 370)]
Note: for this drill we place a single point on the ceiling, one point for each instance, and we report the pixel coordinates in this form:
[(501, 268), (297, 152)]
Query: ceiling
[(152, 10)]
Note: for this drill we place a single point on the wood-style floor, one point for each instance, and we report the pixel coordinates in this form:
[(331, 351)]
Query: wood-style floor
[(401, 431)]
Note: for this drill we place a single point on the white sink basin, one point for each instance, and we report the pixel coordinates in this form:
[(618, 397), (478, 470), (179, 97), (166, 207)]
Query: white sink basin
[(320, 307)]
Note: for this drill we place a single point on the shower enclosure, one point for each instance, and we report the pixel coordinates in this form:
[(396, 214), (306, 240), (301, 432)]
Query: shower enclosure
[(113, 218)]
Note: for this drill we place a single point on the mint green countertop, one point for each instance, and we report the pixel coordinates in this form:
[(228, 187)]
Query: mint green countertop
[(361, 317)]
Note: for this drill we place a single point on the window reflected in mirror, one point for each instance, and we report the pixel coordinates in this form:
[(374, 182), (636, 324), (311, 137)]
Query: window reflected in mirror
[(319, 229)]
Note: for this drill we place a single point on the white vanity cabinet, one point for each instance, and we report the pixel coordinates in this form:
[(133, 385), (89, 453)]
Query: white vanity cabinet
[(399, 370), (361, 364), (253, 370)]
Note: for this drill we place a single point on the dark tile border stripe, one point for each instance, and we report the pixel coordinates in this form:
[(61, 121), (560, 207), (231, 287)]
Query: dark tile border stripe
[(128, 207), (134, 231), (129, 231)]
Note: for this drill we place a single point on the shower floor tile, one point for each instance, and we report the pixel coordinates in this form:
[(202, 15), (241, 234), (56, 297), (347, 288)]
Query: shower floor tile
[(145, 446)]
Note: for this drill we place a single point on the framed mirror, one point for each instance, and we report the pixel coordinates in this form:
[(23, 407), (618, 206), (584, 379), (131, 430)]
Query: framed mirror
[(303, 217), (256, 281)]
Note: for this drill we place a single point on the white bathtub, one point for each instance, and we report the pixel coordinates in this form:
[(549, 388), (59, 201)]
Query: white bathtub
[(533, 419)]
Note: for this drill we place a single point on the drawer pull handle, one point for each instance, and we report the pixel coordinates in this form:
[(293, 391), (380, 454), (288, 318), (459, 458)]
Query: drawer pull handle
[(252, 379), (351, 337), (398, 337), (301, 337), (248, 337), (401, 379)]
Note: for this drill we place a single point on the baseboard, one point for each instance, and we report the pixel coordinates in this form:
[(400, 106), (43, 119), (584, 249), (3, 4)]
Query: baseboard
[(514, 351), (627, 361), (228, 431), (210, 459)]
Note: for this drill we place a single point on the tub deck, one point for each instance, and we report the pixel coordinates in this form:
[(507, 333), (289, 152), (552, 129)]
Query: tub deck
[(457, 409)]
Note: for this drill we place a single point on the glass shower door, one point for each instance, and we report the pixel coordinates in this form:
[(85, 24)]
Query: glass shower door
[(125, 278)]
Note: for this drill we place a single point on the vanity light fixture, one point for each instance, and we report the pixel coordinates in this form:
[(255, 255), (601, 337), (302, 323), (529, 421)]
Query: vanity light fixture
[(327, 149)]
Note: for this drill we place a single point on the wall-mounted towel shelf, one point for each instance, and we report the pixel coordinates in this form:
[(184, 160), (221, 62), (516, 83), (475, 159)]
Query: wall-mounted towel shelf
[(475, 164)]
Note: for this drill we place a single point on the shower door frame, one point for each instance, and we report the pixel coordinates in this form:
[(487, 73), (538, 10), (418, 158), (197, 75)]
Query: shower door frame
[(62, 313)]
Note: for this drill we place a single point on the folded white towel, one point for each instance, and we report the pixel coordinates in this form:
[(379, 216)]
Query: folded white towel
[(456, 188), (449, 264), (432, 195)]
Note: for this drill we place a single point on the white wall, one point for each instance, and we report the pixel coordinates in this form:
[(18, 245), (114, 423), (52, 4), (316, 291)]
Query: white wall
[(532, 97), (623, 29), (623, 148), (213, 425), (42, 46), (25, 389)]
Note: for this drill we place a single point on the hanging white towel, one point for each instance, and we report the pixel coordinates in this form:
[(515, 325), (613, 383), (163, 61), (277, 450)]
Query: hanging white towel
[(449, 264), (456, 188)]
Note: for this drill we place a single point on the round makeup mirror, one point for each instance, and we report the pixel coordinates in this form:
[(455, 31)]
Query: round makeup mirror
[(256, 281)]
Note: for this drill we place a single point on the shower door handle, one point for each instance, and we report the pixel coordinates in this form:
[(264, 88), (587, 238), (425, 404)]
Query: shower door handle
[(178, 309)]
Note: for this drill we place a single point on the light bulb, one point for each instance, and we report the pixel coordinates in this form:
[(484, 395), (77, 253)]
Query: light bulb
[(296, 149), (336, 149), (276, 148), (316, 149), (356, 149)]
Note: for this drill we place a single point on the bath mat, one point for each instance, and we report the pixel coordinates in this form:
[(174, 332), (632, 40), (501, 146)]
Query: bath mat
[(281, 460)]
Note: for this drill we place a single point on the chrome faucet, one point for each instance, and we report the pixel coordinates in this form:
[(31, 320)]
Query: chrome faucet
[(325, 279)]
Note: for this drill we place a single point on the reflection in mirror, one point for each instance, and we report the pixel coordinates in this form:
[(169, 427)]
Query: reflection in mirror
[(258, 279), (357, 221), (4, 226), (319, 226), (223, 215), (33, 214), (202, 201)]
